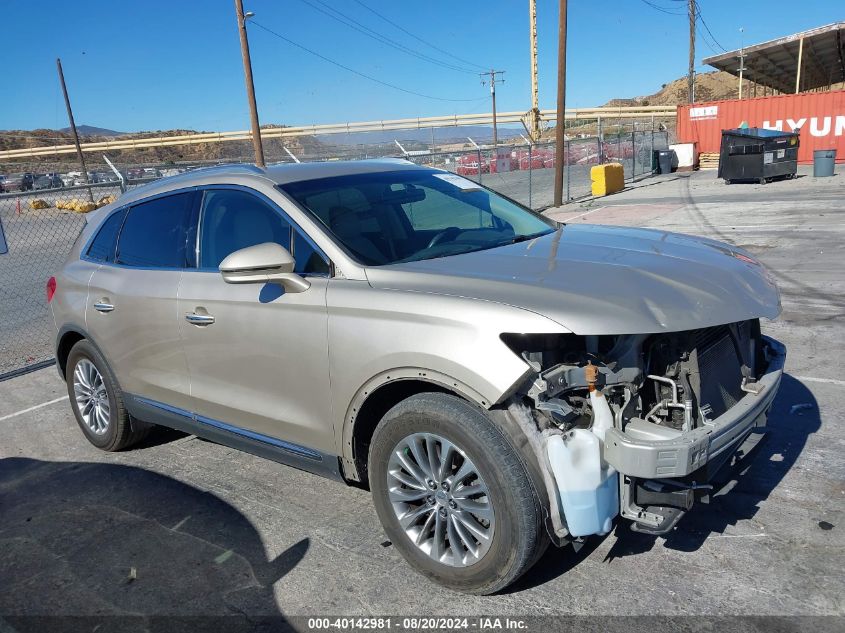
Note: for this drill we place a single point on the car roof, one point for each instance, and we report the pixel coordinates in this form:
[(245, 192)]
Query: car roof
[(278, 174)]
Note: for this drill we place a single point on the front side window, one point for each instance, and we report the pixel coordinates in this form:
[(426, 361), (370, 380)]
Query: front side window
[(408, 215), (231, 220), (103, 245), (154, 233)]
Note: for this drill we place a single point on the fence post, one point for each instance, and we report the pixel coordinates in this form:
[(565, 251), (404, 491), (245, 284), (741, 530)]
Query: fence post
[(530, 174), (567, 147), (479, 164), (651, 153), (633, 154), (599, 135)]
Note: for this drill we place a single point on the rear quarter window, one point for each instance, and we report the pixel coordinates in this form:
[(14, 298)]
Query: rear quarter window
[(154, 234), (103, 245)]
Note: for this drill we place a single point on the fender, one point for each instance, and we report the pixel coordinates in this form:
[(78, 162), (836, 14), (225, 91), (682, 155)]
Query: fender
[(390, 376)]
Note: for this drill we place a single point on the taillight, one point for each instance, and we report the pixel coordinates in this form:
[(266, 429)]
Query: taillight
[(51, 288)]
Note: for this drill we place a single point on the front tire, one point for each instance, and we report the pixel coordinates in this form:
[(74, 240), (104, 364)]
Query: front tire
[(453, 494), (97, 401)]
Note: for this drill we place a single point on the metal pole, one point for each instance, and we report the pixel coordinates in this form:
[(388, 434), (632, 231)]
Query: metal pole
[(530, 170), (560, 137), (73, 131), (691, 76), (535, 86), (250, 87), (798, 73), (492, 78), (569, 147), (741, 60), (493, 95), (598, 143)]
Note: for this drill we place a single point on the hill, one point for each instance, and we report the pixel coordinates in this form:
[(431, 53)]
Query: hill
[(90, 130), (196, 153), (711, 86)]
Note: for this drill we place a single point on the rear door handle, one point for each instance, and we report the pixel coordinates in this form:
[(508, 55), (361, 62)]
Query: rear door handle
[(199, 319), (102, 306)]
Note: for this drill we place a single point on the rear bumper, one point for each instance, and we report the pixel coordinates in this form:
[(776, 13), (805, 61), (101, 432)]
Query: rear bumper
[(690, 451)]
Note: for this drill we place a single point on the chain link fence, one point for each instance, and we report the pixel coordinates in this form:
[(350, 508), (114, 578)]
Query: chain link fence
[(525, 172), (40, 218)]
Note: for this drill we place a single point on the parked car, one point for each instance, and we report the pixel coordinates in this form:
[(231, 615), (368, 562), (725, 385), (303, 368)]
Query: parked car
[(48, 181), (2, 183), (500, 381), (18, 182)]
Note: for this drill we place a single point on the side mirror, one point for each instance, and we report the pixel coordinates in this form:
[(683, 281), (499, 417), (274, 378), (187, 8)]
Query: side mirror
[(262, 264)]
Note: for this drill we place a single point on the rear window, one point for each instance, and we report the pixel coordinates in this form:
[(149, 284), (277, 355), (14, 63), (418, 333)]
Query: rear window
[(154, 233), (102, 248)]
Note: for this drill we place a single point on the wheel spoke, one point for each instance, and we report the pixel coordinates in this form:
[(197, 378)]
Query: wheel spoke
[(466, 539), (426, 527), (466, 469), (434, 463), (420, 458), (447, 452), (438, 540), (478, 508), (409, 465), (412, 516), (470, 523), (465, 492), (404, 495), (405, 480)]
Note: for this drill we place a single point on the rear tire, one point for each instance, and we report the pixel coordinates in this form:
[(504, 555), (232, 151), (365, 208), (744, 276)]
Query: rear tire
[(97, 401), (500, 500)]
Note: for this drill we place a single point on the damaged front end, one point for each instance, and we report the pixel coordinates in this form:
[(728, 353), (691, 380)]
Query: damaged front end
[(638, 424)]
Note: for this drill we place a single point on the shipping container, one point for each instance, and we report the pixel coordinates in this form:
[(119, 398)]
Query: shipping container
[(819, 117)]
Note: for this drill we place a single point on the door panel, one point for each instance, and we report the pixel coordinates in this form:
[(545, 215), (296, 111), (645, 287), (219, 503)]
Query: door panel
[(262, 364), (139, 336)]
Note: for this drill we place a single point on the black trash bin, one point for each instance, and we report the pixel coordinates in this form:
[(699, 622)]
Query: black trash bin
[(664, 160), (758, 155)]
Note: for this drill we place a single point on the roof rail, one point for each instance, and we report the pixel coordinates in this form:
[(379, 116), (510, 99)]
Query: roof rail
[(254, 169)]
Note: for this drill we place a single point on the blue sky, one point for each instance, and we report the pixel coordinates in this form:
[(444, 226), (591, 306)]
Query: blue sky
[(151, 64)]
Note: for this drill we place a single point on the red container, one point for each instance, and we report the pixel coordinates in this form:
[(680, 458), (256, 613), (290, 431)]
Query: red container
[(820, 117)]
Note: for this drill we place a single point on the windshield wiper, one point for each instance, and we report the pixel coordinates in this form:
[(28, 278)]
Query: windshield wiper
[(522, 238)]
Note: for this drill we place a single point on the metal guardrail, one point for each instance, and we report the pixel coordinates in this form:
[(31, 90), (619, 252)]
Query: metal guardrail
[(454, 120)]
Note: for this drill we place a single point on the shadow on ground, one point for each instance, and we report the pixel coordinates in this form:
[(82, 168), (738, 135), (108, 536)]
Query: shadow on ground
[(91, 539)]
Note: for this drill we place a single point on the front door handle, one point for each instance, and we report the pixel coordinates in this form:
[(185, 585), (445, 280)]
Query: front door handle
[(102, 306), (199, 319)]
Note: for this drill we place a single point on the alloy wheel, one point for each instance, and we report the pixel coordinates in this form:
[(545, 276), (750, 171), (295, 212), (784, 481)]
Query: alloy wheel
[(440, 499), (91, 395)]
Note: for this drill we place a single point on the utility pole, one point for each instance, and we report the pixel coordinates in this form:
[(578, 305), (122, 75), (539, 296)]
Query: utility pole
[(250, 88), (535, 89), (560, 137), (73, 131), (741, 60), (691, 76), (491, 77)]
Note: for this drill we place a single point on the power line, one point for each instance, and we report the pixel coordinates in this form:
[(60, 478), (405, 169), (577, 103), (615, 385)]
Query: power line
[(419, 39), (666, 10), (356, 72), (365, 30), (701, 19)]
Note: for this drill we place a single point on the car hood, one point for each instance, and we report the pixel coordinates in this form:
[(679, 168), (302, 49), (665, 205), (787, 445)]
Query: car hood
[(603, 280)]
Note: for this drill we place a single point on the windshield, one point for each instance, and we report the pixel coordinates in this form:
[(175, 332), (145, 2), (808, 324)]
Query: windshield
[(408, 215)]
